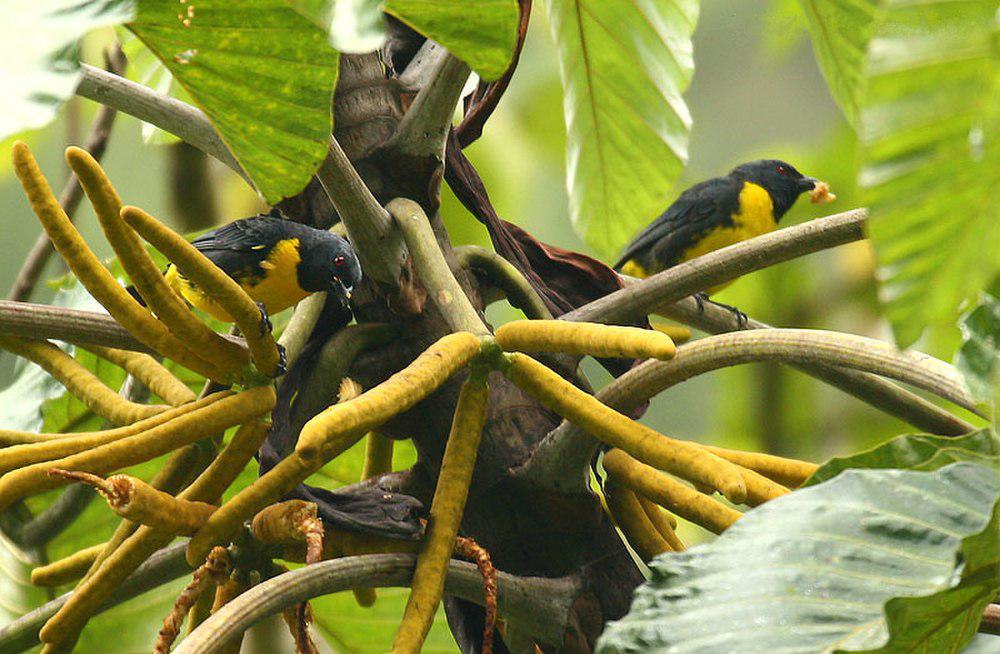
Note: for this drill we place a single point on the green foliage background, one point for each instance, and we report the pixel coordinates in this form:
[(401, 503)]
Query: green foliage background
[(756, 91)]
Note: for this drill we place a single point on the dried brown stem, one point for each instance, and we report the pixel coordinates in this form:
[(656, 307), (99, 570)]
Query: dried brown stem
[(215, 571)]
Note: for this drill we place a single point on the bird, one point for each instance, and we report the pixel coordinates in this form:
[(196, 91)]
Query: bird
[(276, 261), (747, 202)]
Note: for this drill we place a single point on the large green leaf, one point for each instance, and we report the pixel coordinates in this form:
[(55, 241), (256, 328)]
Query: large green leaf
[(921, 82), (846, 565), (979, 358), (38, 48), (917, 452), (263, 74), (624, 68), (482, 33)]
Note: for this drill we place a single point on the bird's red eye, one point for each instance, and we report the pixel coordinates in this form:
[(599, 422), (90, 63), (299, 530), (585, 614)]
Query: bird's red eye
[(782, 170), (339, 262)]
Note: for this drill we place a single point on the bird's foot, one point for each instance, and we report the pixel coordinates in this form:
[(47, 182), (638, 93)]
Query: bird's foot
[(282, 361), (265, 320), (700, 299), (742, 322)]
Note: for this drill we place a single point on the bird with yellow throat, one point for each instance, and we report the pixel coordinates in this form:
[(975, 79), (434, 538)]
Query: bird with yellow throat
[(747, 202)]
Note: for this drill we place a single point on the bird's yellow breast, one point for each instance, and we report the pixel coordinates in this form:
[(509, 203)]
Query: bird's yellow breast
[(278, 288)]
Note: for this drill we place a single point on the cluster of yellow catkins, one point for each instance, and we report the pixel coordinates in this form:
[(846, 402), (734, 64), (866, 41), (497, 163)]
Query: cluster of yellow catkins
[(644, 468)]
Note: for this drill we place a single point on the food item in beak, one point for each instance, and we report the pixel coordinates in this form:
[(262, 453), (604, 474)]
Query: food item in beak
[(821, 194)]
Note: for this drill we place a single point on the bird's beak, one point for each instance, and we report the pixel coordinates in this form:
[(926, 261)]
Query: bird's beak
[(807, 184), (341, 290)]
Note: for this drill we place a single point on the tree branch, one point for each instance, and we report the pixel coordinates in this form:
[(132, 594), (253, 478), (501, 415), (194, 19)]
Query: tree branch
[(42, 321), (164, 566), (169, 114), (567, 450), (879, 393), (540, 606), (502, 274), (369, 226), (424, 128), (723, 265)]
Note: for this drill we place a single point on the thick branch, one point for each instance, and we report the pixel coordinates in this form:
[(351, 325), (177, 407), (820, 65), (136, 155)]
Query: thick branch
[(568, 449), (539, 606), (164, 566), (424, 128), (368, 225), (169, 114), (42, 321), (723, 265)]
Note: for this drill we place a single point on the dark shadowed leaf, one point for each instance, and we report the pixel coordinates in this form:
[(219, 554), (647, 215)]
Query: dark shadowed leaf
[(846, 565), (625, 66), (263, 74)]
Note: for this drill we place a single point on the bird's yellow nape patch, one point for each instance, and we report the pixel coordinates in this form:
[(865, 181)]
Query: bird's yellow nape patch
[(754, 217), (633, 269)]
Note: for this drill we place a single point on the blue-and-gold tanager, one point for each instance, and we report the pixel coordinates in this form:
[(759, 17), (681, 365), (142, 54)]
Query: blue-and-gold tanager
[(277, 262), (747, 202)]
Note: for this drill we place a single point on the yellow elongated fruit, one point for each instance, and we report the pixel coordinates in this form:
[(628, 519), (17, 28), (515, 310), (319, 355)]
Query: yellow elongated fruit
[(79, 381), (136, 500), (149, 371), (64, 627), (142, 270), (584, 338), (65, 570), (94, 276), (663, 522), (681, 458), (182, 430), (789, 472), (19, 456), (760, 489), (633, 521), (350, 420), (669, 493), (266, 490), (447, 508), (213, 281), (677, 333)]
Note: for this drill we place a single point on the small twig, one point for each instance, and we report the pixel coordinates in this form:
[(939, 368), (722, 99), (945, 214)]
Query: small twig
[(723, 265), (69, 198), (431, 266), (162, 567), (298, 618), (169, 114), (368, 225), (541, 606), (469, 549), (213, 572), (43, 321)]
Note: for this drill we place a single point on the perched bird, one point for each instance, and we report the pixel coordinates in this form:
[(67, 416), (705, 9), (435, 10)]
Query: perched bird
[(277, 262), (747, 202)]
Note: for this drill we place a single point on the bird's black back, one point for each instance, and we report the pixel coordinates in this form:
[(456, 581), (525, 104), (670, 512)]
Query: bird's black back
[(239, 247), (698, 210)]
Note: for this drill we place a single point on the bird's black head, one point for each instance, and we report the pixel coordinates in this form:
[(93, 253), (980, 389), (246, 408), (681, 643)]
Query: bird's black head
[(780, 179), (328, 263)]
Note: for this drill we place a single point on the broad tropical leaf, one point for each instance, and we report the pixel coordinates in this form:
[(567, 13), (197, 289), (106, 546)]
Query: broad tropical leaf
[(624, 66), (38, 48), (263, 74), (979, 358), (846, 565), (921, 82), (917, 452), (482, 34)]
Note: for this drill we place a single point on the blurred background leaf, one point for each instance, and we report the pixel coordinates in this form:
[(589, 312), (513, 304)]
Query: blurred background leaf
[(852, 564), (624, 68), (979, 357), (40, 54)]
